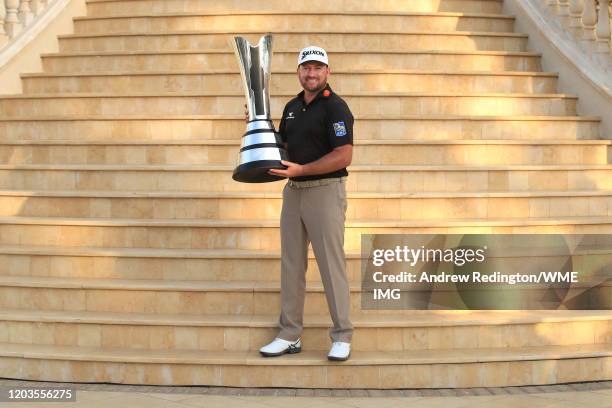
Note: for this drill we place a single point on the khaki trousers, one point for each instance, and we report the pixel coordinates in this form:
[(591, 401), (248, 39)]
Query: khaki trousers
[(314, 212)]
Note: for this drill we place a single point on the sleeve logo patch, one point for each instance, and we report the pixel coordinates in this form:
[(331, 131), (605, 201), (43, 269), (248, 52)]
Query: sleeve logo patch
[(340, 129)]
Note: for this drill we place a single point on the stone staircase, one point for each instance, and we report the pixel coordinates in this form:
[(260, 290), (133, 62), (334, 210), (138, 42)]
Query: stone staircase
[(128, 255)]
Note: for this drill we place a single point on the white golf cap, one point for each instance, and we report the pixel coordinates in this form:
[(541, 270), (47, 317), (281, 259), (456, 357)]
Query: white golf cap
[(312, 53)]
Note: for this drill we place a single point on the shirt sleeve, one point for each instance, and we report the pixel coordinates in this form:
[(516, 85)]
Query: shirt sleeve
[(339, 124)]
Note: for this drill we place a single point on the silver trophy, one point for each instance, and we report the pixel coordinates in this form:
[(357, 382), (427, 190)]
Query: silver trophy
[(262, 148)]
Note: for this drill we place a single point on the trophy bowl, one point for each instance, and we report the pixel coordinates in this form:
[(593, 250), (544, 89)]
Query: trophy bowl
[(262, 147)]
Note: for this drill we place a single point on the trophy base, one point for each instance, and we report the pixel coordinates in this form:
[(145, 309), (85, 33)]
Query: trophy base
[(257, 171)]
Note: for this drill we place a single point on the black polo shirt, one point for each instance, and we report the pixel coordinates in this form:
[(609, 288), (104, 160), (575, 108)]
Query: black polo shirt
[(311, 131)]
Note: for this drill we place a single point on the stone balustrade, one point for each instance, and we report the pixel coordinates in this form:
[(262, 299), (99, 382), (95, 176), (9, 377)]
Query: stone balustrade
[(17, 15), (587, 22)]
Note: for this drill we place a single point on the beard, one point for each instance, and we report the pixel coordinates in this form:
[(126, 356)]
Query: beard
[(314, 89)]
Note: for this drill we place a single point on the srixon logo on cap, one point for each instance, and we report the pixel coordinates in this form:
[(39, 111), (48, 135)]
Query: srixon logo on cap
[(311, 52)]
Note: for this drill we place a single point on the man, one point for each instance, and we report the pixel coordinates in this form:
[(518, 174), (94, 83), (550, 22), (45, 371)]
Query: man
[(317, 129)]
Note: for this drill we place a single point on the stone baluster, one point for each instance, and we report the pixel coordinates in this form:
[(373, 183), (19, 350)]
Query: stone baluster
[(552, 6), (575, 26), (13, 25), (589, 20), (25, 13), (602, 31), (3, 36), (564, 12), (35, 5), (610, 44)]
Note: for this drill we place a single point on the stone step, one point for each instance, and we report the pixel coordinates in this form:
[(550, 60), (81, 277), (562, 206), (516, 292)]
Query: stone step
[(114, 8), (283, 20), (340, 59), (125, 180), (160, 297), (310, 369), (365, 152), (193, 298), (373, 103), (64, 128), (287, 81), (505, 215), (228, 265), (228, 206), (296, 39), (423, 330), (163, 264)]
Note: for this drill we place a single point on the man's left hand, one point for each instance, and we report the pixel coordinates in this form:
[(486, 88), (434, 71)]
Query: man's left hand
[(293, 170)]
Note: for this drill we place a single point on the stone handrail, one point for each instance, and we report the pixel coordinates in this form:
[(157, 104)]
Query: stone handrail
[(29, 28), (16, 16), (587, 23), (580, 29), (580, 64)]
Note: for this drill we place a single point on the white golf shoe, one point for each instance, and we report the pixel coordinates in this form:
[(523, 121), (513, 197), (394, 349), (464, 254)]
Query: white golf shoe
[(279, 347), (340, 351)]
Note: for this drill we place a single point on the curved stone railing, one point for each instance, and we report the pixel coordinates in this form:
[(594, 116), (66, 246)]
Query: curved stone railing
[(573, 37), (29, 28), (587, 23), (581, 30), (17, 16)]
